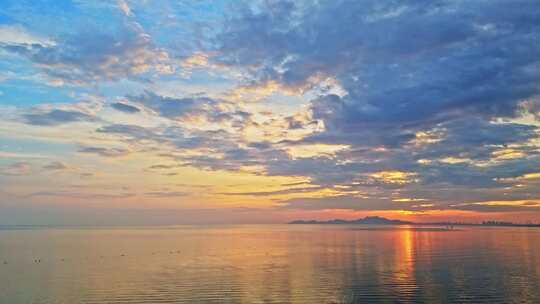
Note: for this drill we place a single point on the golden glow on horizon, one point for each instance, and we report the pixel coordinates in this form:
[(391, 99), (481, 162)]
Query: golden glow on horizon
[(425, 216), (523, 203), (531, 175)]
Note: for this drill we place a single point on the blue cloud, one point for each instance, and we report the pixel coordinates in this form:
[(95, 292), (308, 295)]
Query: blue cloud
[(92, 56), (57, 117), (402, 64), (123, 107)]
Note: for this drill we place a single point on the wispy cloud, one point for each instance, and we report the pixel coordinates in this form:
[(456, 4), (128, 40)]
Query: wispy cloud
[(105, 152), (56, 117), (126, 108), (18, 35), (55, 166), (17, 169), (124, 7)]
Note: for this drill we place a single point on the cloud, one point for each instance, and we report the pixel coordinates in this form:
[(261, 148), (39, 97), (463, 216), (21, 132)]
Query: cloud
[(396, 105), (533, 107), (16, 155), (131, 132), (105, 152), (172, 137), (122, 107), (342, 202), (191, 109), (93, 56), (348, 202), (124, 7), (18, 35), (55, 166), (172, 107), (188, 123), (79, 195), (161, 166), (501, 206), (475, 58), (423, 85), (18, 168), (276, 192), (56, 117), (166, 194)]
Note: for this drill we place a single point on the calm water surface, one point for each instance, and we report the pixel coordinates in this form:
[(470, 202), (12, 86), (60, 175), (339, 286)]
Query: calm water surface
[(270, 264)]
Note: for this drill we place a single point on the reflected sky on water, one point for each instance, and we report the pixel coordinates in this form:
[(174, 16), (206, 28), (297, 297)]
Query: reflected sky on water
[(270, 264)]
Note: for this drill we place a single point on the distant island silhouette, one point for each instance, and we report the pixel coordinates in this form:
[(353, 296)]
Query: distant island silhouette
[(377, 220)]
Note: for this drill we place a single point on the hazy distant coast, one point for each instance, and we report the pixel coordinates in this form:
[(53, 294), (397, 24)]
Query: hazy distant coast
[(376, 220)]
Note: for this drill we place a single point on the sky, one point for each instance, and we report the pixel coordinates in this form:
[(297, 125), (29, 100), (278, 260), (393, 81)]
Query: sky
[(199, 112)]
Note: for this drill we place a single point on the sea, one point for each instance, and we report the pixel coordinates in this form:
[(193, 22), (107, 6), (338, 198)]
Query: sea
[(269, 264)]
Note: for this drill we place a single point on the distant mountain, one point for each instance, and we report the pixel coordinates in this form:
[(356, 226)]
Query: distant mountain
[(368, 220)]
